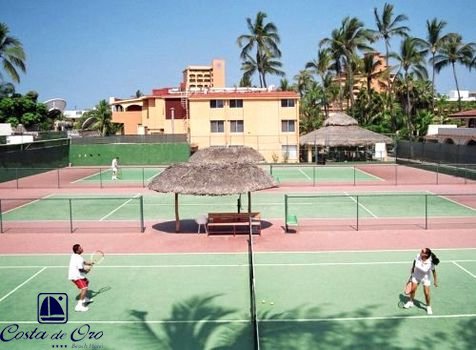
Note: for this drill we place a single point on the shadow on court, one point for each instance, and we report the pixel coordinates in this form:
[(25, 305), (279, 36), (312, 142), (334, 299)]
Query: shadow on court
[(189, 226), (199, 323), (95, 293)]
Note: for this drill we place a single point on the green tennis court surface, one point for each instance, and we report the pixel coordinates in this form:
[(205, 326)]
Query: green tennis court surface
[(321, 174), (271, 205), (332, 300), (124, 175)]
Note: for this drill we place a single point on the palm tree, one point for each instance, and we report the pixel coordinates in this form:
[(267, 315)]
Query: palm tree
[(269, 65), (321, 66), (370, 69), (303, 81), (266, 39), (100, 118), (453, 51), (434, 40), (410, 64), (351, 37), (12, 56), (387, 27)]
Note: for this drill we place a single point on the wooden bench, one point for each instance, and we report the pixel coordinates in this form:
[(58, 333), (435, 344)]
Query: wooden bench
[(291, 220), (233, 223)]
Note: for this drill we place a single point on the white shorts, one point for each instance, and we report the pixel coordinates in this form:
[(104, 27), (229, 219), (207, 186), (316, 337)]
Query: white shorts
[(114, 170), (425, 280)]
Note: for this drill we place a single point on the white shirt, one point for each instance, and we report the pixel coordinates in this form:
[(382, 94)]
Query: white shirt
[(114, 163), (76, 263), (423, 268)]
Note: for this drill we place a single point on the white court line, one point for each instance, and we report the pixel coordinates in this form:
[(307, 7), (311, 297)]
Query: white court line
[(86, 177), (361, 205), (452, 201), (462, 268), (26, 204), (362, 263), (369, 174), (119, 207), (302, 172), (417, 249), (289, 320), (21, 285)]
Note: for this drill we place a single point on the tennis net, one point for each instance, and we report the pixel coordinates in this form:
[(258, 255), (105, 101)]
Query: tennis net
[(254, 317)]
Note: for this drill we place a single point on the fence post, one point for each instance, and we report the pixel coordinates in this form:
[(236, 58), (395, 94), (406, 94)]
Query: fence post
[(286, 212), (1, 218), (141, 204), (143, 177), (58, 177), (357, 204), (396, 174), (70, 215), (314, 175)]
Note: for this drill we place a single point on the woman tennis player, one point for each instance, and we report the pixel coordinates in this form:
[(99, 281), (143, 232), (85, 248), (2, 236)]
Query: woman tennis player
[(78, 268), (420, 273)]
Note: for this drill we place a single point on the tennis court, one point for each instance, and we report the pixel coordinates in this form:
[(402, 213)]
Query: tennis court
[(313, 300)]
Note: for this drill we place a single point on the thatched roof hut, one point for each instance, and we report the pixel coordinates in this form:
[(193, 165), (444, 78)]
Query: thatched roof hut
[(219, 154), (211, 180), (342, 130)]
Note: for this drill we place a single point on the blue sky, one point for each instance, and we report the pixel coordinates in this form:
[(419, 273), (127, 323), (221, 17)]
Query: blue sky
[(85, 51)]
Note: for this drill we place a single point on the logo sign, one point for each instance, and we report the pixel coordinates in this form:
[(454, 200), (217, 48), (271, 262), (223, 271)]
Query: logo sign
[(52, 308)]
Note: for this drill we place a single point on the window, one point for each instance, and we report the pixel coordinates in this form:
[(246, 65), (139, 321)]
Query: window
[(287, 103), (288, 126), (216, 103), (236, 103), (236, 125), (217, 126), (289, 152)]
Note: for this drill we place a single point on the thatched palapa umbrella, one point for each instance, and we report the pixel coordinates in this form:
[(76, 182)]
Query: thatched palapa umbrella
[(211, 180), (236, 154), (342, 130)]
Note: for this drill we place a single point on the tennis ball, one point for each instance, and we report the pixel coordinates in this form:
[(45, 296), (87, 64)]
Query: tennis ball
[(271, 303), (263, 301)]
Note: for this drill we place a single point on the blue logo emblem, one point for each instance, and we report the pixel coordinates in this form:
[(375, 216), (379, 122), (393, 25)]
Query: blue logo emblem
[(52, 308)]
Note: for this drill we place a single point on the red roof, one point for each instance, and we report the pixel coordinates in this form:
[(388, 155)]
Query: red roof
[(465, 114)]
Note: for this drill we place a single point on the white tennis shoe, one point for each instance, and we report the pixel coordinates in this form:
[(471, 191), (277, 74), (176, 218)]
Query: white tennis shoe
[(429, 311), (408, 304), (81, 308)]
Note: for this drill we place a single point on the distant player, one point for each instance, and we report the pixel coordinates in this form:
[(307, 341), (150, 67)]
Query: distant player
[(78, 268), (115, 167)]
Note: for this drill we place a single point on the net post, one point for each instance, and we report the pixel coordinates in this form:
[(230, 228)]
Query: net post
[(141, 214), (70, 215)]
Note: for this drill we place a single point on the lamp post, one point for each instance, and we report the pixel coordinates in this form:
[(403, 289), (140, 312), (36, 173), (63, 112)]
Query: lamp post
[(172, 114)]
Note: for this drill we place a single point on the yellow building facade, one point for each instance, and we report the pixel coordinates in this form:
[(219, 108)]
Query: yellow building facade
[(265, 119)]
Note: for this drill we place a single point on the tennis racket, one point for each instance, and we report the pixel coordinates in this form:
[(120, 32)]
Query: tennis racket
[(408, 286), (97, 257)]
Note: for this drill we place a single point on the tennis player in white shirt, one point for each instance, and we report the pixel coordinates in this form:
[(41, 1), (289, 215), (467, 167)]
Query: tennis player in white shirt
[(425, 262)]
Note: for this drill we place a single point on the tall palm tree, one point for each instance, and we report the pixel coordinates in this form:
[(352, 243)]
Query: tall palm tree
[(434, 40), (350, 38), (389, 26), (269, 65), (370, 69), (12, 56), (411, 64), (321, 66), (453, 51), (264, 38)]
